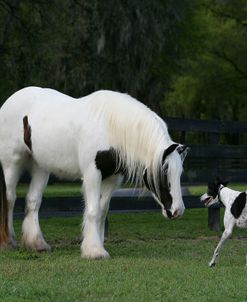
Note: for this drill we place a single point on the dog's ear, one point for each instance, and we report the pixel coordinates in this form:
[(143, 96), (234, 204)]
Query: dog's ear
[(213, 188), (222, 181), (211, 185), (225, 183)]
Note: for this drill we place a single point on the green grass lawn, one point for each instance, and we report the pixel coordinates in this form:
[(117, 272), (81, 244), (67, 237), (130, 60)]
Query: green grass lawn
[(153, 259)]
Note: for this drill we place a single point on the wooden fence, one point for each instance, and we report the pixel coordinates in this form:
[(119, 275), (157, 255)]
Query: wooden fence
[(217, 149)]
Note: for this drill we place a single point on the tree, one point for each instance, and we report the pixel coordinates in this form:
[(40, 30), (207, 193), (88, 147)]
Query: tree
[(138, 46), (79, 46), (213, 80)]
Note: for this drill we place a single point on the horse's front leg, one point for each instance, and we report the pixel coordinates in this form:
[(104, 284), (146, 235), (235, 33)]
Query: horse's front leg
[(92, 245), (107, 188)]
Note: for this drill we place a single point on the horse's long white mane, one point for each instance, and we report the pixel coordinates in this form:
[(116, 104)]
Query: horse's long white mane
[(136, 132)]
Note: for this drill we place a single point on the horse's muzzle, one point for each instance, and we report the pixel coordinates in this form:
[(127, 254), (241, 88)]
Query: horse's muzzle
[(177, 214)]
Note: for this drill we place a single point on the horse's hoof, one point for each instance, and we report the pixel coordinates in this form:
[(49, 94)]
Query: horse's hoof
[(39, 246), (11, 244), (94, 253), (95, 257), (4, 246), (44, 248)]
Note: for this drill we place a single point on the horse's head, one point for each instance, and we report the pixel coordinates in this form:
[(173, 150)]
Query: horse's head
[(213, 191), (166, 189)]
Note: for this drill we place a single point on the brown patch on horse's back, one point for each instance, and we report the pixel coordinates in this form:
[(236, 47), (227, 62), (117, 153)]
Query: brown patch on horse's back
[(27, 132)]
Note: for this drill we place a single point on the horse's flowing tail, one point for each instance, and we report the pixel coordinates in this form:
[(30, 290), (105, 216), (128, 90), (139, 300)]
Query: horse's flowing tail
[(3, 211)]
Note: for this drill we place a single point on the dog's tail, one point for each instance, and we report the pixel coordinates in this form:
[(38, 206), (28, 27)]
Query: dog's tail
[(4, 236)]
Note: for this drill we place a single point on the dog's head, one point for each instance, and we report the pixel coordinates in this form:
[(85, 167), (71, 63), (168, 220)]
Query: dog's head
[(212, 195)]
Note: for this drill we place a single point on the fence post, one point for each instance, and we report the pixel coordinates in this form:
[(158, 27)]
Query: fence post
[(214, 219), (214, 212), (106, 227)]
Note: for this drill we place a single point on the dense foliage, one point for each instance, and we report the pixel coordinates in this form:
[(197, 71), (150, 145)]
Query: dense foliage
[(213, 78), (181, 57)]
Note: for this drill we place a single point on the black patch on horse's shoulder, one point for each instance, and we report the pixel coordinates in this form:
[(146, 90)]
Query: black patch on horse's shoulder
[(106, 162), (238, 205)]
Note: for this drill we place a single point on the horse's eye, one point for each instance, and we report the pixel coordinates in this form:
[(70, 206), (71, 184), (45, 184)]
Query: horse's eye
[(165, 172), (165, 169)]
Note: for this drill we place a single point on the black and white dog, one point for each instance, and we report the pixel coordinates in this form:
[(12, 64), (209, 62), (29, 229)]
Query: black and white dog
[(235, 210)]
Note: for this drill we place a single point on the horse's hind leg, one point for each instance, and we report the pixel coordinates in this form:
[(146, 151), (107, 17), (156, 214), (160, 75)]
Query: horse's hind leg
[(12, 174), (32, 237)]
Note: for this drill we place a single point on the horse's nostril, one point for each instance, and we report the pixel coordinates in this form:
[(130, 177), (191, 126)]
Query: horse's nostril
[(177, 214), (169, 214)]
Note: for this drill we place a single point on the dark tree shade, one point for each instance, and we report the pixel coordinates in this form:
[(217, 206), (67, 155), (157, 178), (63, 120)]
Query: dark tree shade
[(80, 46)]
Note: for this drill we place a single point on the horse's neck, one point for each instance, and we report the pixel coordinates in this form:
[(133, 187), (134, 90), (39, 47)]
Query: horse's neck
[(227, 196), (134, 131)]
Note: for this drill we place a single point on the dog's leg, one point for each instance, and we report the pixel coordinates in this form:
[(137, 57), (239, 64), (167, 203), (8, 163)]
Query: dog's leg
[(229, 223)]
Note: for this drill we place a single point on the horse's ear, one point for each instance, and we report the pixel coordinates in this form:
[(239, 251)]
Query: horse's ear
[(183, 151), (183, 148), (168, 151)]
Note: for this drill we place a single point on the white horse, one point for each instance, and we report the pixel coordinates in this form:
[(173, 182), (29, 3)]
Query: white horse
[(100, 139)]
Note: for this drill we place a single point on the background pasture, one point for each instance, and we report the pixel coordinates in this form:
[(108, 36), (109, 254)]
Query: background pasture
[(152, 260)]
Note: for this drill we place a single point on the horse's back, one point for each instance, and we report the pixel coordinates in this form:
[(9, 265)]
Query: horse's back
[(12, 113), (51, 116), (28, 97), (33, 102)]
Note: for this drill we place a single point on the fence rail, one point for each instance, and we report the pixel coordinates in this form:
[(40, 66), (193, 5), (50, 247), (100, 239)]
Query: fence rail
[(122, 200), (209, 126)]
